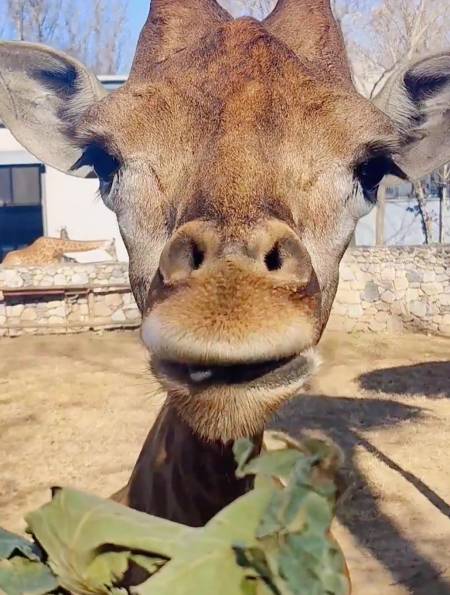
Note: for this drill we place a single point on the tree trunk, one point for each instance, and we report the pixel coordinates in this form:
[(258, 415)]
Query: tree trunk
[(422, 205)]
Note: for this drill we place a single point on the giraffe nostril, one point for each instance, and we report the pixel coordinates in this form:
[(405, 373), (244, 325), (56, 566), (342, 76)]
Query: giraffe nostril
[(198, 256), (273, 259)]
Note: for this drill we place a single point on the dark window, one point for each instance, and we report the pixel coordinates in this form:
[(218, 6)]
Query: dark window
[(20, 185), (5, 185)]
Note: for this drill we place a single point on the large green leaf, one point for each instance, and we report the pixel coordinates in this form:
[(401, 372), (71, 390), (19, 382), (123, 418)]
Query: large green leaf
[(19, 576), (273, 540), (11, 544), (89, 540), (207, 563)]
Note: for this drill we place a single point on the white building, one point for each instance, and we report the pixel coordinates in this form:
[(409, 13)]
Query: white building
[(38, 200)]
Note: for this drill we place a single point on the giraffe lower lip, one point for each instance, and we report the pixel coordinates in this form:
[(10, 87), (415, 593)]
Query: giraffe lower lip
[(232, 374)]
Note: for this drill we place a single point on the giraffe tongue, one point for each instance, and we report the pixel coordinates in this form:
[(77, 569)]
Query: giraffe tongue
[(200, 374)]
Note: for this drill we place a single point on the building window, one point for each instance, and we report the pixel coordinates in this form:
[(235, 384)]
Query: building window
[(20, 185)]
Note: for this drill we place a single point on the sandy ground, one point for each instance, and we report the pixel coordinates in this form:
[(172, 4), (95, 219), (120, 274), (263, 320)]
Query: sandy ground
[(74, 410)]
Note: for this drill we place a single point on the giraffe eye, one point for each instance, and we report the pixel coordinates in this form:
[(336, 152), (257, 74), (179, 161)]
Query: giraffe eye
[(370, 174), (103, 163)]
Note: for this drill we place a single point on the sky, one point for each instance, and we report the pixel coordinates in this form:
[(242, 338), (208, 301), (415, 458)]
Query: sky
[(137, 13)]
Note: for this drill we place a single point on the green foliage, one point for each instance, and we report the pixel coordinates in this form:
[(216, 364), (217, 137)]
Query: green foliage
[(272, 541), (21, 570)]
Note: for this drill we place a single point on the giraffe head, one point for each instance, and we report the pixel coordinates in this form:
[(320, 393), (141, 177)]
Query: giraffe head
[(238, 158)]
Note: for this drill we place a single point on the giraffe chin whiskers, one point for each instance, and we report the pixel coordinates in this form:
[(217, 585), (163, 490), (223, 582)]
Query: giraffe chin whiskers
[(225, 403)]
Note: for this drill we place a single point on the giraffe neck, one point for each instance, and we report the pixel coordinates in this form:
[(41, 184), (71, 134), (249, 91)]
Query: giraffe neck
[(182, 477)]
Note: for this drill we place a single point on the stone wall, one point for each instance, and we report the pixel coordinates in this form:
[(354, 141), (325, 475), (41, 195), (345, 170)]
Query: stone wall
[(381, 289), (66, 298), (394, 289)]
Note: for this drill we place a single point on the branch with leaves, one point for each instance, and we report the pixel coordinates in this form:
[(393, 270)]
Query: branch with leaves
[(275, 539)]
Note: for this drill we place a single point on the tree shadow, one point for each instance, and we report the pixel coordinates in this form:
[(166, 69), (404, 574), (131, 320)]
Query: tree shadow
[(343, 420), (430, 379)]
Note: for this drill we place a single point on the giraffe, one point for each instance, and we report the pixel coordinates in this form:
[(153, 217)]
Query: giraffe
[(45, 251), (238, 158)]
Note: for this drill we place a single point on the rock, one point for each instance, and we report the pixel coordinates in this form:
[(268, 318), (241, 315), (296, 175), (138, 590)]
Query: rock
[(431, 288), (355, 311), (83, 309), (80, 279), (388, 297), (101, 310), (133, 315), (346, 274), (119, 316), (339, 308), (60, 280), (395, 325), (377, 326), (59, 312), (429, 276), (414, 276), (399, 308), (16, 310), (30, 314), (371, 292), (419, 309), (388, 274), (401, 284), (10, 279), (113, 299), (56, 320), (412, 294)]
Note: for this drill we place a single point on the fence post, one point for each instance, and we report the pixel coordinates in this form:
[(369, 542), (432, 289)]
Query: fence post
[(445, 215), (380, 216)]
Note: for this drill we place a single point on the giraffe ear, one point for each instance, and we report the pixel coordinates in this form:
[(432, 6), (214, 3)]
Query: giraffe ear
[(43, 94), (417, 98)]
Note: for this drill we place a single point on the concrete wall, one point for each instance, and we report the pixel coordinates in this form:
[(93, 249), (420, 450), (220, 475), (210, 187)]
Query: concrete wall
[(381, 289)]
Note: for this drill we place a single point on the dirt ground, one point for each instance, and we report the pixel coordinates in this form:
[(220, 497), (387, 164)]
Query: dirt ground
[(74, 410)]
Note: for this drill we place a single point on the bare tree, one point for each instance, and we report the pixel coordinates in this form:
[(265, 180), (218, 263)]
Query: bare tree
[(382, 35), (442, 176), (386, 35), (34, 20), (93, 32)]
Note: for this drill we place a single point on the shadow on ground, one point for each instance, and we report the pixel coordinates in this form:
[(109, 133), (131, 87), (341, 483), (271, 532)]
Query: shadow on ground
[(430, 379), (344, 420)]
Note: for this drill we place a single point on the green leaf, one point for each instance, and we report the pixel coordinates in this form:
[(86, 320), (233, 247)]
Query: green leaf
[(89, 540), (242, 450), (20, 576), (201, 571), (272, 541), (274, 464), (149, 563), (11, 544), (238, 522)]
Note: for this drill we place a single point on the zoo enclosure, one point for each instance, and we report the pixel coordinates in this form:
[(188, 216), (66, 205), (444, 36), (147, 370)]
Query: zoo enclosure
[(393, 289)]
